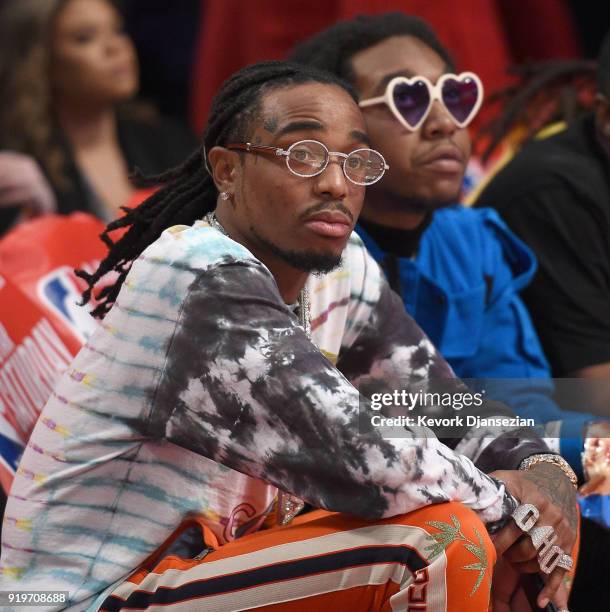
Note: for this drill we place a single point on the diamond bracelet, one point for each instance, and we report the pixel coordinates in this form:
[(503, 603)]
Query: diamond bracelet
[(560, 462)]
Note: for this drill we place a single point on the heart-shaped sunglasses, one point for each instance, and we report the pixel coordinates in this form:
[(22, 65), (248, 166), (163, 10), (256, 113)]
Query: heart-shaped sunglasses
[(410, 100)]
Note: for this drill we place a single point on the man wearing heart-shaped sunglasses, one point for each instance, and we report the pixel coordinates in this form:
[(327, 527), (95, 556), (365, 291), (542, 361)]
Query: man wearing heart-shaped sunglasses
[(458, 270)]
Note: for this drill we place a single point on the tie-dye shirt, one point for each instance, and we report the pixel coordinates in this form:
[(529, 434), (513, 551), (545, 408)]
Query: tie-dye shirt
[(200, 393)]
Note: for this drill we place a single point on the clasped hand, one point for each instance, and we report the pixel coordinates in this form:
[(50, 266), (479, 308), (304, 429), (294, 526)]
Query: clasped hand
[(547, 488)]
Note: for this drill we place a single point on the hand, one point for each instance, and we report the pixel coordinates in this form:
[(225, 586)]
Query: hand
[(508, 593), (504, 585), (547, 487), (23, 184)]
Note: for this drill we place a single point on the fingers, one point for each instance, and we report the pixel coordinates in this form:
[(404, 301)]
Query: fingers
[(506, 537), (519, 602), (560, 599), (551, 590), (521, 551), (505, 582), (552, 495), (552, 530), (528, 567), (552, 518), (526, 558), (566, 535)]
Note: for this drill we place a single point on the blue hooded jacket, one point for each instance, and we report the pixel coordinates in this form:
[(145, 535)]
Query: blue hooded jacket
[(462, 289)]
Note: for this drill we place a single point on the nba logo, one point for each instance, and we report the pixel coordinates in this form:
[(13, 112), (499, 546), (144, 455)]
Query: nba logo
[(60, 291)]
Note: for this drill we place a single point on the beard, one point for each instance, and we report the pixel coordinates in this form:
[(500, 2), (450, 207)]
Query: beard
[(306, 261)]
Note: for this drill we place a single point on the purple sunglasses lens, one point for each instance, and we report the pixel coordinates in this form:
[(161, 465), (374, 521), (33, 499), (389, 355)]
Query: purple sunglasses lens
[(460, 97), (412, 101)]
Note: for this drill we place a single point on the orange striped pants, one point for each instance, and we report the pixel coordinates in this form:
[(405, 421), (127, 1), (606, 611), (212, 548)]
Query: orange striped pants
[(436, 558)]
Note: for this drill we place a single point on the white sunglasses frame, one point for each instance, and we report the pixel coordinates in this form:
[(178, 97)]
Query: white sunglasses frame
[(435, 92)]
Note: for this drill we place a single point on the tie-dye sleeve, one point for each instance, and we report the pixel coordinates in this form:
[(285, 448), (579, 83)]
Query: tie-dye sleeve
[(385, 350), (244, 386)]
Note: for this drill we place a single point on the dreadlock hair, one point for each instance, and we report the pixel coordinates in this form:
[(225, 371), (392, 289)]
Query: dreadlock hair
[(603, 67), (333, 48), (544, 92), (188, 191)]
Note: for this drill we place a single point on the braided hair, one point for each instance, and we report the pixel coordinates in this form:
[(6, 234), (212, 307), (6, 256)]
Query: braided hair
[(333, 48), (545, 92), (188, 191)]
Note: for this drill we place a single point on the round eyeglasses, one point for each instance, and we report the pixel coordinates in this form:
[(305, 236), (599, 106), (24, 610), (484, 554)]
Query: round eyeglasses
[(309, 158)]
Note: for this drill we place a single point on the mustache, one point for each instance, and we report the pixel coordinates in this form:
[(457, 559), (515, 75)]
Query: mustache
[(326, 206)]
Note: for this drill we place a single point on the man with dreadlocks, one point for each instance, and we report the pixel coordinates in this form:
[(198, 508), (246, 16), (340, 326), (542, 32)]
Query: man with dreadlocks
[(555, 193), (222, 390)]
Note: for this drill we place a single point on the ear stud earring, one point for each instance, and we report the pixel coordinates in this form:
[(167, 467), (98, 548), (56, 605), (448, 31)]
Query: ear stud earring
[(224, 195)]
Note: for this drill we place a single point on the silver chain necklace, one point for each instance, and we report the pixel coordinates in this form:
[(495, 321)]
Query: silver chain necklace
[(288, 505)]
